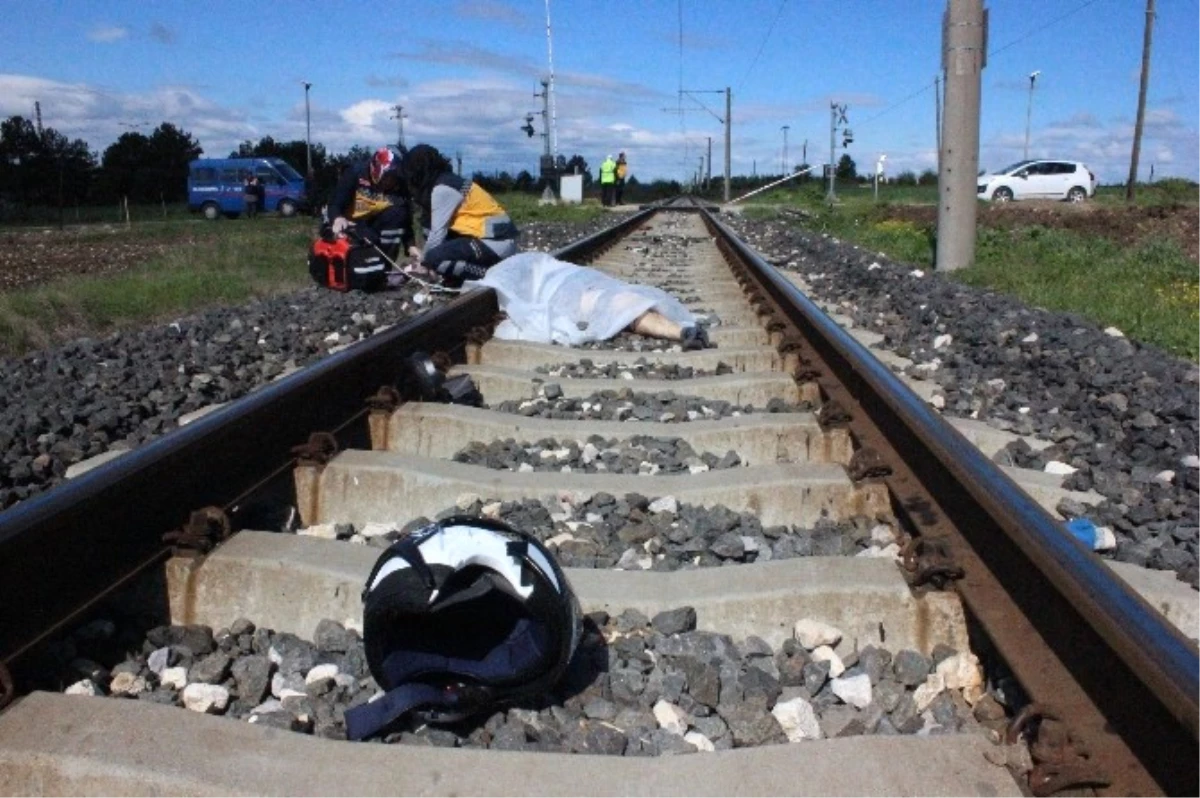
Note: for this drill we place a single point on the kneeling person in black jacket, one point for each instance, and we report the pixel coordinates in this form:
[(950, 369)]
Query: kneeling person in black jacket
[(373, 196), (466, 229)]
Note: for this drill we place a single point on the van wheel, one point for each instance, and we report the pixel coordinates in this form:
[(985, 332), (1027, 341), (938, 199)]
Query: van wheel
[(1002, 194), (1077, 194), (287, 208), (211, 211)]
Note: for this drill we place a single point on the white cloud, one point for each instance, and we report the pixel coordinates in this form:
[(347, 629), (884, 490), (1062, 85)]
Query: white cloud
[(107, 33), (480, 115), (1106, 146), (365, 114), (99, 117)]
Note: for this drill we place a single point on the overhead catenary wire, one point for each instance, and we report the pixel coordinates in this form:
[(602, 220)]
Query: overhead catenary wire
[(762, 45), (679, 95), (991, 54)]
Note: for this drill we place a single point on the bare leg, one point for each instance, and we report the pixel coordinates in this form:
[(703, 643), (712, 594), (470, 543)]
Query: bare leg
[(655, 325)]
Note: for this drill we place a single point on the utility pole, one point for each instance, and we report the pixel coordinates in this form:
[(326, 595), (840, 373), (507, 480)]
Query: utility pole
[(727, 121), (784, 170), (545, 95), (728, 129), (831, 195), (548, 170), (1131, 183), (937, 117), (308, 134), (399, 117), (964, 30), (708, 170), (553, 115), (1029, 109)]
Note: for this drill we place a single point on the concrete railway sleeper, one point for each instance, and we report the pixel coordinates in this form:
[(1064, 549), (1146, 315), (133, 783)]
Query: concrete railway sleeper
[(803, 583)]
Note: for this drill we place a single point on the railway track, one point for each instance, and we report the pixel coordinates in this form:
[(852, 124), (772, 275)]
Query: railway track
[(779, 453)]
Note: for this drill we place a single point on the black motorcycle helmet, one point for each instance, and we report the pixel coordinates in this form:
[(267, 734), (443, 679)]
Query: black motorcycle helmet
[(462, 615)]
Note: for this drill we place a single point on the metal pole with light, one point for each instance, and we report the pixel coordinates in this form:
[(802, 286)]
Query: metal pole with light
[(399, 117), (308, 132), (1029, 109)]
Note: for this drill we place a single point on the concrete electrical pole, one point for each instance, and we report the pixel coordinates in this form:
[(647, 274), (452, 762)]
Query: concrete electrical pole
[(708, 169), (784, 170), (308, 133), (937, 118), (1029, 109), (1131, 183), (963, 61)]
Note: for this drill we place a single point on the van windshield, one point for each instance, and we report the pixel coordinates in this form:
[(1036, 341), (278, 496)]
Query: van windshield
[(285, 169)]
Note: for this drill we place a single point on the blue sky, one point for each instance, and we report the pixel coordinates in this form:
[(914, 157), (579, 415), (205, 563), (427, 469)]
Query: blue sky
[(465, 72)]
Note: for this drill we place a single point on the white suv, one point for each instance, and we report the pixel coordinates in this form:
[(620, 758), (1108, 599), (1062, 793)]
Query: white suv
[(1042, 179)]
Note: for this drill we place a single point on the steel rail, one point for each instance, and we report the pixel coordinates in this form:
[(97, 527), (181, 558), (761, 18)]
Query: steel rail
[(63, 550), (1076, 636)]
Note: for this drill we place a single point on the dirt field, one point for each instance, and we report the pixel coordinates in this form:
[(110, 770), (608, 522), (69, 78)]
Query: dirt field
[(29, 258), (1126, 226)]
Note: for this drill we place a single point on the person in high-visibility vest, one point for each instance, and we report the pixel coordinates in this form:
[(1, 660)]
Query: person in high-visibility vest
[(608, 180), (371, 197), (466, 230), (622, 170)]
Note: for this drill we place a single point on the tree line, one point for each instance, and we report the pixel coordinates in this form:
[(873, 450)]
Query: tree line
[(39, 167)]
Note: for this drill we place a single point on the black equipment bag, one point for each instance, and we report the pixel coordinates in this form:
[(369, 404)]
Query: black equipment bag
[(344, 266)]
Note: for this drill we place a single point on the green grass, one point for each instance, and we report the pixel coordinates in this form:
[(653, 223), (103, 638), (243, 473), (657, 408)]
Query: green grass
[(223, 262), (527, 208), (208, 264), (48, 217), (1148, 291), (1170, 191)]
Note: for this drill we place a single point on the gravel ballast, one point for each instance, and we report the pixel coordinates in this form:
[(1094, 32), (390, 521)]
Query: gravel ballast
[(636, 686), (641, 369), (626, 404), (69, 403), (637, 532), (640, 454), (1124, 416)]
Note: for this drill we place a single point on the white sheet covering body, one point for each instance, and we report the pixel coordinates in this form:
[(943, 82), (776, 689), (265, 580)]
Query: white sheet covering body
[(552, 301)]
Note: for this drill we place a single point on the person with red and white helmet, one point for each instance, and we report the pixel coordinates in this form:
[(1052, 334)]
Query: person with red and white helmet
[(373, 197)]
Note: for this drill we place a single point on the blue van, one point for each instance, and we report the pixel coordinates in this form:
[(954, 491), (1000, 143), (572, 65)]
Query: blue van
[(215, 186)]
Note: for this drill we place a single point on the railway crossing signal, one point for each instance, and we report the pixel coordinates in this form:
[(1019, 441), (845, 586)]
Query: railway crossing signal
[(837, 119)]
